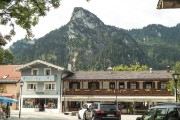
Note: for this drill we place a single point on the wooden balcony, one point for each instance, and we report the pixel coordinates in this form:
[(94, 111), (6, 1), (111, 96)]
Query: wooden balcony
[(120, 92)]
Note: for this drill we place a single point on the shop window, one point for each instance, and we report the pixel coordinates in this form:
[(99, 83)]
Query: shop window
[(51, 103), (148, 85), (28, 103), (93, 85), (133, 85), (163, 85), (49, 86), (35, 71), (121, 85), (31, 86), (46, 103), (47, 71), (112, 85)]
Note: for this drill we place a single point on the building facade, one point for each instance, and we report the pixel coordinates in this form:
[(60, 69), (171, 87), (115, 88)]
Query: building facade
[(9, 79), (51, 88), (138, 90), (42, 86)]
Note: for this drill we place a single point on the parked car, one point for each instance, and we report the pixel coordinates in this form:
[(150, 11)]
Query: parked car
[(164, 111), (82, 110), (102, 111)]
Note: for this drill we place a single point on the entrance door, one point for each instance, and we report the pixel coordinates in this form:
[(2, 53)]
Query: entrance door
[(41, 104)]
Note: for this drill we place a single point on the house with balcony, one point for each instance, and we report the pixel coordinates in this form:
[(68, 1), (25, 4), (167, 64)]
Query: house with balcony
[(41, 90), (139, 89), (9, 86)]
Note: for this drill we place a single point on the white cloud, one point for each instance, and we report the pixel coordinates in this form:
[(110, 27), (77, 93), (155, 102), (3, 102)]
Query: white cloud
[(125, 14)]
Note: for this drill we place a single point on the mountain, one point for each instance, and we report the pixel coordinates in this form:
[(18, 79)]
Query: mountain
[(85, 42), (161, 44)]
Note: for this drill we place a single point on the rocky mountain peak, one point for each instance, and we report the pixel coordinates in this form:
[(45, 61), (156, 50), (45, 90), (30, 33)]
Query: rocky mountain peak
[(85, 18)]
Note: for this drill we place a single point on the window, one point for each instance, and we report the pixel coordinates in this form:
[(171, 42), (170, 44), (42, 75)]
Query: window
[(47, 71), (35, 71), (49, 86), (163, 85), (121, 85), (31, 86), (74, 85), (133, 85), (93, 85), (148, 85), (112, 85)]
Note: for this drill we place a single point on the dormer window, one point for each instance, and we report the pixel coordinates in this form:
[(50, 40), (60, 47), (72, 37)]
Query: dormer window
[(35, 71), (47, 71)]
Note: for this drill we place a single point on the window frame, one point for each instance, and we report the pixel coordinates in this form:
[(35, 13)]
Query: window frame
[(133, 85), (121, 84), (33, 86), (112, 85), (147, 85), (50, 83), (32, 73), (163, 85), (45, 69)]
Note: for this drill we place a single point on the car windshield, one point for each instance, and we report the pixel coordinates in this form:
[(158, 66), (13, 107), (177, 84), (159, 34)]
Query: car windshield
[(108, 107), (149, 114), (157, 114)]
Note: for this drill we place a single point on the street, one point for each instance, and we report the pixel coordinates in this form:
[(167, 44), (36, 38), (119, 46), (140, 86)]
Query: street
[(53, 116)]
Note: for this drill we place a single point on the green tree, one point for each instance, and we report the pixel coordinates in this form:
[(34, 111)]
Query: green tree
[(171, 83), (135, 67), (24, 13), (6, 57)]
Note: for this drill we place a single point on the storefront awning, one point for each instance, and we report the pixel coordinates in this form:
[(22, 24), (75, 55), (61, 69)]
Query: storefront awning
[(9, 100)]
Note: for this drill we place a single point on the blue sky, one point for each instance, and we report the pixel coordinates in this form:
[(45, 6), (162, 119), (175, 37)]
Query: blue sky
[(125, 14)]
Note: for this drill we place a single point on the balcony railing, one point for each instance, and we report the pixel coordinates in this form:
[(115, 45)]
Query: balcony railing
[(39, 78), (120, 92)]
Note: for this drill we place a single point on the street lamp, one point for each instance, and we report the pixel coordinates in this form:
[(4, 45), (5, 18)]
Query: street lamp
[(64, 90), (175, 77), (21, 83)]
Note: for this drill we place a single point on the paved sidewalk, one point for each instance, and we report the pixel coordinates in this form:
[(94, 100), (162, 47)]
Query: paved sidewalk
[(53, 116), (39, 116)]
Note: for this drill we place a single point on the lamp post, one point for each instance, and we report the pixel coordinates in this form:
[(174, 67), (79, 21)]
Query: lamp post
[(64, 90), (21, 83), (175, 77)]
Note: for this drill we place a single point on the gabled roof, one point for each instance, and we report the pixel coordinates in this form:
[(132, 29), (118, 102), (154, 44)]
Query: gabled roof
[(166, 4), (2, 41), (41, 62), (120, 75), (8, 74)]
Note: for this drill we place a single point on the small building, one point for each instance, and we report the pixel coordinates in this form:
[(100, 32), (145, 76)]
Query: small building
[(139, 89), (9, 79), (42, 89)]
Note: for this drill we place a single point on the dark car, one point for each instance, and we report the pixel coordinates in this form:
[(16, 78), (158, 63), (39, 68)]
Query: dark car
[(102, 111), (165, 111)]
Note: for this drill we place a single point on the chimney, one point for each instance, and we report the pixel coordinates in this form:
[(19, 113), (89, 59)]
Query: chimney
[(150, 70), (110, 69), (69, 67), (168, 69)]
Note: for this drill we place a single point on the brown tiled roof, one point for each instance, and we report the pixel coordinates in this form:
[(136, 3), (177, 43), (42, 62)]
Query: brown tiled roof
[(8, 74), (120, 75)]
